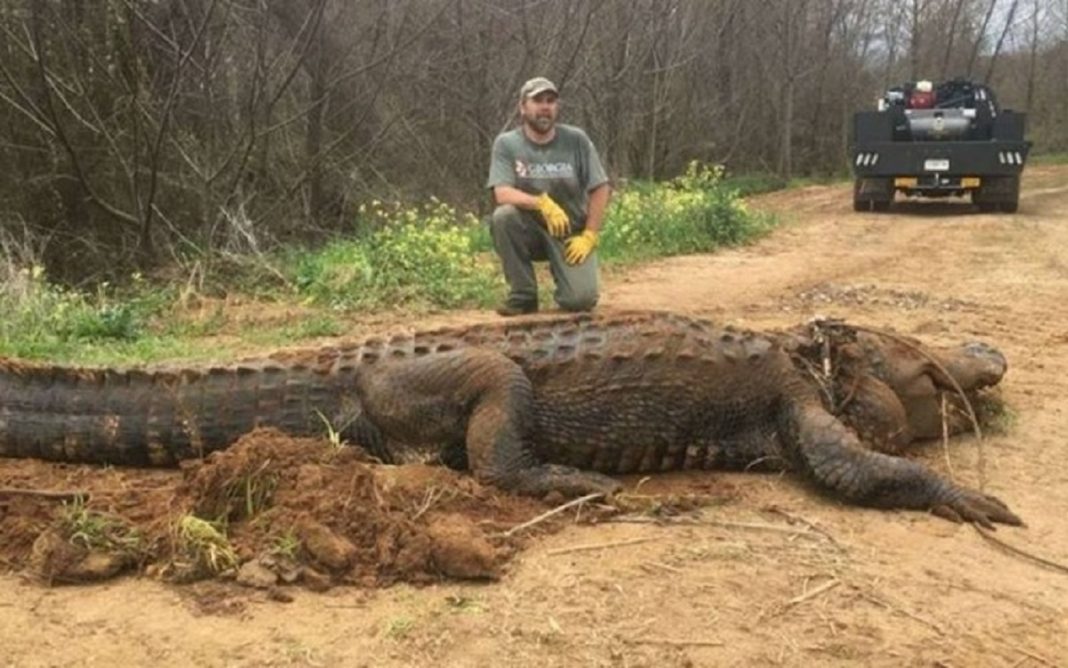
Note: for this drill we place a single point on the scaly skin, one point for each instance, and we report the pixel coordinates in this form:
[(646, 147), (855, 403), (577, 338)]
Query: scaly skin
[(531, 405)]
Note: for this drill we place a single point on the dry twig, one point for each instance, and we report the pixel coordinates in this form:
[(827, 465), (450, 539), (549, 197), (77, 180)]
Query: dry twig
[(58, 495), (1031, 655), (808, 523), (757, 526), (674, 642), (813, 593), (551, 513), (600, 546), (653, 565), (896, 608)]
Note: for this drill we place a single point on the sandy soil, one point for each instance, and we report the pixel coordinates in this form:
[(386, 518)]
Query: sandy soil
[(765, 574)]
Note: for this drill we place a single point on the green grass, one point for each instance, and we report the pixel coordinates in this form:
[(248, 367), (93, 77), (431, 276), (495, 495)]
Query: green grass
[(97, 531), (696, 212), (286, 545), (400, 628), (205, 544), (755, 183), (415, 257), (1048, 159)]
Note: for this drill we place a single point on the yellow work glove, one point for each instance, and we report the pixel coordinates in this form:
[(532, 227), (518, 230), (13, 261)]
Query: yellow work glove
[(579, 247), (555, 217)]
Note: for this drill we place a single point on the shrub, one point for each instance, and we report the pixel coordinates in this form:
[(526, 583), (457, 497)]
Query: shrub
[(412, 256), (692, 213), (38, 317)]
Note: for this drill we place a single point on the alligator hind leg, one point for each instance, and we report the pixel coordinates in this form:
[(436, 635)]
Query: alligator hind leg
[(476, 396)]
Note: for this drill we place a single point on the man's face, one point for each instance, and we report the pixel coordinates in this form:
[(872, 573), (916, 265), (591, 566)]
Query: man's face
[(539, 112)]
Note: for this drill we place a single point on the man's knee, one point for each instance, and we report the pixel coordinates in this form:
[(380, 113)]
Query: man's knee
[(580, 300), (505, 216)]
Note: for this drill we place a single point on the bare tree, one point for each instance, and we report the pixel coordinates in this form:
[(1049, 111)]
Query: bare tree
[(142, 134)]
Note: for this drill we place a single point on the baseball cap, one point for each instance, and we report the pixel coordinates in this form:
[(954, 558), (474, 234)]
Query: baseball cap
[(535, 86)]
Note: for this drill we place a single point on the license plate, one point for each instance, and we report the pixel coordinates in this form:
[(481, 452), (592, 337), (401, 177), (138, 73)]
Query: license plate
[(936, 165)]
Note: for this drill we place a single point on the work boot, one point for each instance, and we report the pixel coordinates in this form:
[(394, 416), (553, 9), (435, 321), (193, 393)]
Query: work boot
[(510, 309)]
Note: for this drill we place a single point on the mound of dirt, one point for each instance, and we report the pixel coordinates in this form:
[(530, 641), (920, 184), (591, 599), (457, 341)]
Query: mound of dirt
[(269, 510)]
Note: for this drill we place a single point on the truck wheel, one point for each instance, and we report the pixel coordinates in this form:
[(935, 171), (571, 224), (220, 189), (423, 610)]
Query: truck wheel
[(1011, 201), (871, 194), (998, 193), (859, 203)]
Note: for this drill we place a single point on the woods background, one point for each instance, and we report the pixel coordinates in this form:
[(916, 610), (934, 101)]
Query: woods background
[(140, 134)]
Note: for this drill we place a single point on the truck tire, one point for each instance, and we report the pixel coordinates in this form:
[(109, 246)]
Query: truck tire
[(872, 194), (998, 193), (1010, 203)]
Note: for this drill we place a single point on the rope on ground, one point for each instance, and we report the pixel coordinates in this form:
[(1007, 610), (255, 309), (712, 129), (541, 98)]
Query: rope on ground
[(1012, 549), (945, 440)]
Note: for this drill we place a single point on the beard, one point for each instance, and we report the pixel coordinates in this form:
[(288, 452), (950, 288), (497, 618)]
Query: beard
[(540, 124)]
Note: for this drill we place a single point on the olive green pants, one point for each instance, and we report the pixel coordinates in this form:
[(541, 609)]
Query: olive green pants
[(520, 240)]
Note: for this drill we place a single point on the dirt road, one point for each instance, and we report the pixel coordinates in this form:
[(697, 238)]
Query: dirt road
[(774, 575)]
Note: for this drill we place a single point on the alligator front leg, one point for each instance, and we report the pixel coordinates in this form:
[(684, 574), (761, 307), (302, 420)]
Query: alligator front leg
[(833, 457), (481, 398)]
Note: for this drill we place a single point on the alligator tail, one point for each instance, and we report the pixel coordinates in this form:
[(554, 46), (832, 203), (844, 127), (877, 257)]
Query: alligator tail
[(138, 417)]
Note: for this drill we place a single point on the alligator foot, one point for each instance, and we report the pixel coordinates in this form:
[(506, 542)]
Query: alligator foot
[(568, 481), (972, 506)]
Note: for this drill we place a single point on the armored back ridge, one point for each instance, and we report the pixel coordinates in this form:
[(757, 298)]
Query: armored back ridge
[(537, 405)]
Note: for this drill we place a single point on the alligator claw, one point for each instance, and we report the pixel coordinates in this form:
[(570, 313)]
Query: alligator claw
[(972, 506)]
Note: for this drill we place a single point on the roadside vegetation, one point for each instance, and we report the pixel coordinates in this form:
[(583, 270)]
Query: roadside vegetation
[(420, 257), (1048, 158)]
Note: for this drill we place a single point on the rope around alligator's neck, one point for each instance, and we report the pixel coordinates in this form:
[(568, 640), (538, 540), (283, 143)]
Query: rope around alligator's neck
[(985, 533), (938, 365)]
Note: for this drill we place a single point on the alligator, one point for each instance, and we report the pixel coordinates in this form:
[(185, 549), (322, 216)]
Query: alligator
[(546, 404)]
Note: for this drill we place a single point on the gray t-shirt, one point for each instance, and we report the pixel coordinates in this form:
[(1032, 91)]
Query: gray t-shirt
[(567, 168)]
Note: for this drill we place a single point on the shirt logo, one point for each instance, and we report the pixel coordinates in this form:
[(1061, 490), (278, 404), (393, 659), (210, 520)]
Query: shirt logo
[(544, 170)]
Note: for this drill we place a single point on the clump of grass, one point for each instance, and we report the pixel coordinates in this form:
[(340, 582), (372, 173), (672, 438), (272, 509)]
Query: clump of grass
[(399, 628), (204, 545), (250, 494), (333, 433), (41, 319), (996, 417), (286, 545), (96, 531), (317, 325)]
